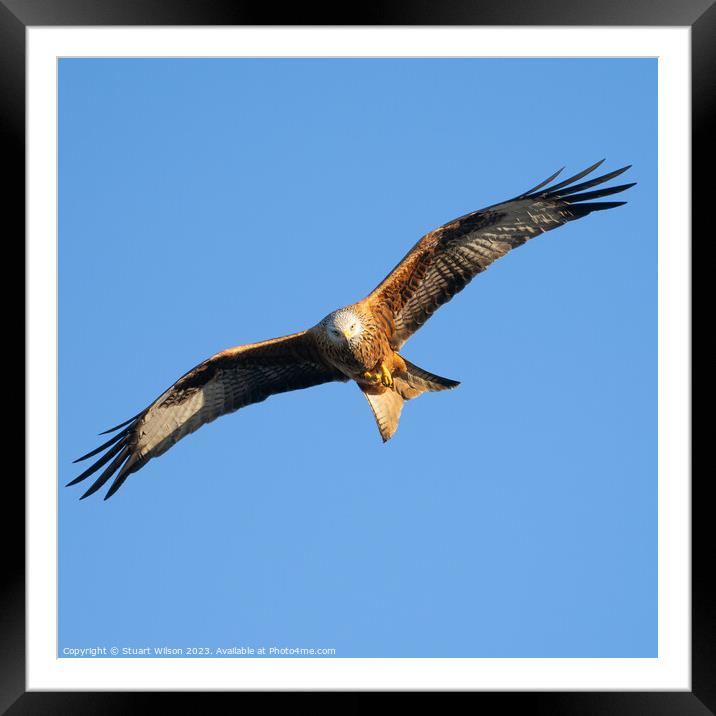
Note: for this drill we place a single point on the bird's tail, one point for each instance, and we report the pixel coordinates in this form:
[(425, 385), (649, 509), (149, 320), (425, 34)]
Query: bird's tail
[(414, 381), (388, 404)]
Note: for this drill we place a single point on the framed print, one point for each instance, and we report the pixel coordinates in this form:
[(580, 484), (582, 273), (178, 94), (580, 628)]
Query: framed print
[(200, 185)]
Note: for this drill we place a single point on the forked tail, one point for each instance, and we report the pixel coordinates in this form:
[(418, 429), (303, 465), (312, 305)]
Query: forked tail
[(388, 404)]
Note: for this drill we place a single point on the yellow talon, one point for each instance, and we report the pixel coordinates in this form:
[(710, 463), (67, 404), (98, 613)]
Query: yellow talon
[(385, 377), (381, 376)]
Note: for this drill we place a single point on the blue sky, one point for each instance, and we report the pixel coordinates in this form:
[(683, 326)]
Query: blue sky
[(209, 203)]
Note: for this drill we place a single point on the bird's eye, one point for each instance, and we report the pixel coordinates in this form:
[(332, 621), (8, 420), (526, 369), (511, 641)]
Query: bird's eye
[(353, 325)]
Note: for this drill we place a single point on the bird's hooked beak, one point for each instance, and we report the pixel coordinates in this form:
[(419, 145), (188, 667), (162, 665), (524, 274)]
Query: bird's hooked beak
[(347, 334)]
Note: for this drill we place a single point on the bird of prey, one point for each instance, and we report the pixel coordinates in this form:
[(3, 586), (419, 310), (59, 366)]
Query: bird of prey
[(360, 342)]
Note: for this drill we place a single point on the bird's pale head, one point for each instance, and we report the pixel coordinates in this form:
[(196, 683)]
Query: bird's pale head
[(343, 326)]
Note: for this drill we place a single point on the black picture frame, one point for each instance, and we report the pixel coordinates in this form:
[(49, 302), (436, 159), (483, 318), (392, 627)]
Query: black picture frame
[(17, 15)]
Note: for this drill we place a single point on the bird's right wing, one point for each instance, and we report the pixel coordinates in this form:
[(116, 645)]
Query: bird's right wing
[(222, 384)]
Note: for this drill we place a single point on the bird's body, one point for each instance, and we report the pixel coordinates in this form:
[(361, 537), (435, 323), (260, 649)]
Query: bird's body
[(360, 342)]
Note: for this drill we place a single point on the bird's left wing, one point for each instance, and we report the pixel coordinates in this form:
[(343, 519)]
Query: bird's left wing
[(446, 259), (222, 384)]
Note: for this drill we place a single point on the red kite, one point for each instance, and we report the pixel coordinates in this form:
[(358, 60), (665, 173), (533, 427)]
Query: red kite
[(360, 342)]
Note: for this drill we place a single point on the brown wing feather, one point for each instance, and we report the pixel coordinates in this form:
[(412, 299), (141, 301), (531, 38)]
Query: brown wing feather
[(222, 384), (444, 261)]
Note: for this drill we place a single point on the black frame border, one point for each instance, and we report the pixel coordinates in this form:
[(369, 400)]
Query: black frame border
[(17, 15)]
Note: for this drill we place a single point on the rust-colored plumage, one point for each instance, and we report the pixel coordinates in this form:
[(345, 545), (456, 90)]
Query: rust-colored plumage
[(360, 342)]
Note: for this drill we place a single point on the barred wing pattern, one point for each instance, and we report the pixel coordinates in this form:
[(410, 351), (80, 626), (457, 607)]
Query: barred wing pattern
[(222, 384), (444, 261)]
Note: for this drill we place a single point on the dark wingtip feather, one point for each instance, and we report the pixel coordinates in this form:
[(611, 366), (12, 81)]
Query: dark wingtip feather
[(119, 448), (115, 486), (550, 189), (121, 476), (542, 183), (96, 465), (114, 465), (597, 206), (121, 425), (109, 442), (574, 178), (572, 189), (587, 195)]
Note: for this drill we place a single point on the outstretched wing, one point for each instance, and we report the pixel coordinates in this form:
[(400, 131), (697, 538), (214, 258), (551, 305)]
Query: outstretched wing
[(444, 261), (222, 384)]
